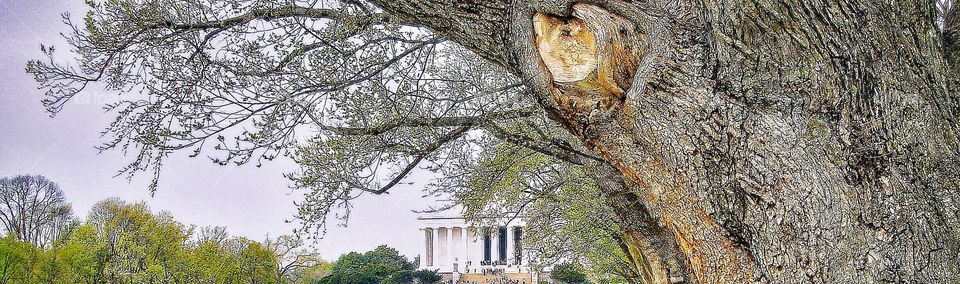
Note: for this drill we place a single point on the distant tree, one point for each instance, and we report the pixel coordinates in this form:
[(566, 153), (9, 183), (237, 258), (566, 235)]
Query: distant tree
[(82, 256), (295, 262), (381, 265), (399, 277), (311, 274), (133, 244), (33, 209), (229, 260), (386, 261), (15, 260), (568, 273), (257, 264), (212, 234), (425, 276), (351, 268)]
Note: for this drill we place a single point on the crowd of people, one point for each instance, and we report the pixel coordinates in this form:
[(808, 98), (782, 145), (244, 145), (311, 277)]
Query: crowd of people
[(500, 280)]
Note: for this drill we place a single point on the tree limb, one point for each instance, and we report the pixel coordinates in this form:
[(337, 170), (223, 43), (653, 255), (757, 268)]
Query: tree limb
[(269, 14)]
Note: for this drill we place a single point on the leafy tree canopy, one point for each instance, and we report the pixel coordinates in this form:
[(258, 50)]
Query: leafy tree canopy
[(568, 273), (381, 265), (123, 242)]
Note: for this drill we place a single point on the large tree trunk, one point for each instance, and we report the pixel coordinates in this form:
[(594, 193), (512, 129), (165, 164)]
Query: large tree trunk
[(765, 141)]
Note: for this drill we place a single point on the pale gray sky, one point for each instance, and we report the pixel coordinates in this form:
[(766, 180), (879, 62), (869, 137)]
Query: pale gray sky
[(249, 201)]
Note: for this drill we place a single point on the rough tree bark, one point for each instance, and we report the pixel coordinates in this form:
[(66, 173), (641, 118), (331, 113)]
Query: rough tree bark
[(804, 141)]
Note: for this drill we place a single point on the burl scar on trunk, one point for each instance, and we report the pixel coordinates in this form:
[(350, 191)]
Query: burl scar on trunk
[(591, 55)]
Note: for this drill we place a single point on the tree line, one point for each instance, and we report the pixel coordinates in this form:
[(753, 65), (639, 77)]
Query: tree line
[(121, 242)]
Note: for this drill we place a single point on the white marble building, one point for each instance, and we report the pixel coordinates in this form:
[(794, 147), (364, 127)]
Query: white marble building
[(452, 246)]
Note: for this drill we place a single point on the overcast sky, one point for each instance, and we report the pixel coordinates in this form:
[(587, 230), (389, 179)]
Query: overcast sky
[(249, 201)]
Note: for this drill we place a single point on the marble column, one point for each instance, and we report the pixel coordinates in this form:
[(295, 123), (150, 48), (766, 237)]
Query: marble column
[(456, 247), (428, 248), (478, 232), (434, 260), (443, 247), (495, 244), (509, 236), (478, 246), (523, 253), (486, 249), (467, 249), (450, 246)]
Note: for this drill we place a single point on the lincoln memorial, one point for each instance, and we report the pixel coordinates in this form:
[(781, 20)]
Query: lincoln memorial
[(462, 252)]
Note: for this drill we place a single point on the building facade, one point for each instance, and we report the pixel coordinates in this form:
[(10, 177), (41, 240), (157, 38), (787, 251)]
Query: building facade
[(455, 248)]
